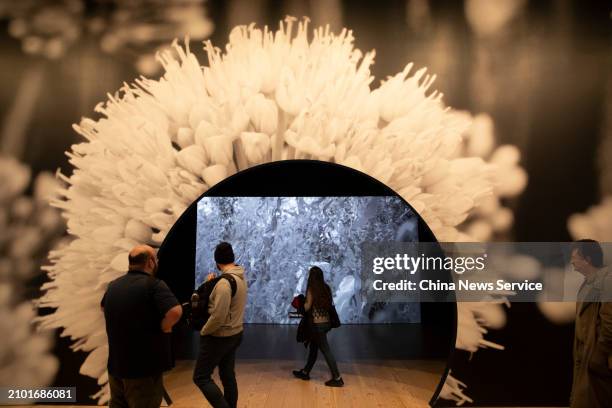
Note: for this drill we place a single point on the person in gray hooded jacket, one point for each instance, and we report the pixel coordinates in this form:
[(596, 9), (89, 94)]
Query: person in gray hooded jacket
[(222, 333)]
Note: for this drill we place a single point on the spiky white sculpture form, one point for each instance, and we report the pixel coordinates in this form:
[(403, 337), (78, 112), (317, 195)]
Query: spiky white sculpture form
[(270, 95)]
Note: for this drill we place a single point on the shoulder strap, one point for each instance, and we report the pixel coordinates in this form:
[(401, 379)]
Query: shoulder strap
[(231, 281)]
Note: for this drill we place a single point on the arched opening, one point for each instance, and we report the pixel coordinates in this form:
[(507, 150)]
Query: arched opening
[(375, 339)]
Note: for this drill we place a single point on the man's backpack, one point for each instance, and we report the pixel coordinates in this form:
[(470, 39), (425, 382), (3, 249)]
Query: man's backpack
[(196, 311)]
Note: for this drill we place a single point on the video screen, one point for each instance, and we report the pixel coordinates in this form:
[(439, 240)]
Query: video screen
[(278, 239)]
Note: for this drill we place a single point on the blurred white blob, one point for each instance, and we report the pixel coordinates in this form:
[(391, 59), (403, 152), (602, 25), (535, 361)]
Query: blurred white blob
[(45, 187), (491, 218), (418, 15), (487, 17), (144, 27), (136, 28), (595, 223), (25, 357), (568, 283), (517, 267), (453, 390), (285, 94), (558, 312), (14, 178), (28, 229), (46, 28), (473, 320)]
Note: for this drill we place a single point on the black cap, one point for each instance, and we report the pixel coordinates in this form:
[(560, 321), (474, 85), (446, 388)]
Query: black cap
[(224, 254)]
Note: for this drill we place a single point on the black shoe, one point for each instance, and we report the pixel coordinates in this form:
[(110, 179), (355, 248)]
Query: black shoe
[(335, 382), (301, 374)]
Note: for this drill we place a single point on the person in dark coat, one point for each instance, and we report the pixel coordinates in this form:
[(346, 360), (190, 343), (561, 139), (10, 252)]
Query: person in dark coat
[(318, 308), (592, 386)]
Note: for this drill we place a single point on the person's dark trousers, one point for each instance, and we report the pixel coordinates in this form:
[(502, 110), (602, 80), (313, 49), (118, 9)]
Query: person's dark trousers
[(319, 342), (600, 386), (146, 392), (218, 351)]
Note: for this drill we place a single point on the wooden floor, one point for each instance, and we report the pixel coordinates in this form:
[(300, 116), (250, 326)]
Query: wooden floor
[(270, 384)]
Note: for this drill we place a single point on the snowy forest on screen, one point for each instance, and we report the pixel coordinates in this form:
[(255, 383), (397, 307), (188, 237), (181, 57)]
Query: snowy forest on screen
[(277, 240)]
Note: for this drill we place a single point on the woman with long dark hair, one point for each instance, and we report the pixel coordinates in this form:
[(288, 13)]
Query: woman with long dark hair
[(318, 307)]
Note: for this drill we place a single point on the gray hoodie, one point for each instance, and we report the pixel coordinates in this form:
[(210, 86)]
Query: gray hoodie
[(226, 312)]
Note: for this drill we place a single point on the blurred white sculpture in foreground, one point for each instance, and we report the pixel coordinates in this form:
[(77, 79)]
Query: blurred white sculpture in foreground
[(269, 96), (136, 29), (144, 27), (45, 28), (491, 218), (595, 223), (453, 390), (473, 321), (560, 312), (25, 357), (28, 229)]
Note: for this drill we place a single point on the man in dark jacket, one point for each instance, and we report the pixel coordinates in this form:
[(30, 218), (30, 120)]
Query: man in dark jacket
[(592, 387), (140, 311)]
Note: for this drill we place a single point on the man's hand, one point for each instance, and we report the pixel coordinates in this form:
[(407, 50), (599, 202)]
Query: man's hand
[(211, 276), (172, 316)]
